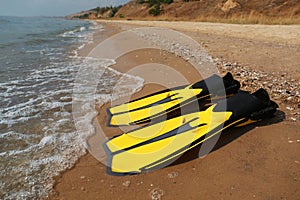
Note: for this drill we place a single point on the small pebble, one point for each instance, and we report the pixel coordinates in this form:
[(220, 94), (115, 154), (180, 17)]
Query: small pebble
[(156, 194), (126, 183), (289, 108), (173, 174), (82, 177)]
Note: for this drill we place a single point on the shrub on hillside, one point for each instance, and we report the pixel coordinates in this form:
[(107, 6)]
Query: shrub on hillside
[(154, 2), (114, 10), (141, 1), (167, 1), (155, 10)]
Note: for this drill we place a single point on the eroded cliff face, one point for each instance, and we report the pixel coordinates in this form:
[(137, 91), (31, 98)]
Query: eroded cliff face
[(228, 5), (198, 9), (193, 9)]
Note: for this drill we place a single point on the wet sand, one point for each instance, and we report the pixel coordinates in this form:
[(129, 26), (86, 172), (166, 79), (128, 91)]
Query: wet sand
[(259, 161)]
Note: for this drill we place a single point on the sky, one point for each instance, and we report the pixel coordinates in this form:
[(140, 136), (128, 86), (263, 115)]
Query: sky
[(51, 7)]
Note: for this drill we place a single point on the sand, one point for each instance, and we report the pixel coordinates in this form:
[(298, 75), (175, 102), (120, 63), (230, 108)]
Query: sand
[(259, 161)]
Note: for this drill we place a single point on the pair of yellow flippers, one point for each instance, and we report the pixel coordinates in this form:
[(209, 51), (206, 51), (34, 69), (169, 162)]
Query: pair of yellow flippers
[(158, 144)]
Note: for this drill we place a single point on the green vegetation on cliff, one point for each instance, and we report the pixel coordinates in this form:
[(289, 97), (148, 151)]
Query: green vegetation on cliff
[(227, 11)]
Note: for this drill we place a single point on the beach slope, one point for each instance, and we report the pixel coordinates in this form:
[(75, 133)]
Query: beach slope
[(259, 161)]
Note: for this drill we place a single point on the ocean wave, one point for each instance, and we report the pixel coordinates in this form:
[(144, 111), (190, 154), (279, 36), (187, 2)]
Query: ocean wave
[(37, 115), (74, 33)]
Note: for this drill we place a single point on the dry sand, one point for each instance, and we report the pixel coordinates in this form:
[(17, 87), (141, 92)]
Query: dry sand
[(259, 161)]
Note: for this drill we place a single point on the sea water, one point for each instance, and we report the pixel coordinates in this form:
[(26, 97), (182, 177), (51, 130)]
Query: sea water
[(39, 62)]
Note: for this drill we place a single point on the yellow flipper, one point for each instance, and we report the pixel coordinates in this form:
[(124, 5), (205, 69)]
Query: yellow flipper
[(147, 145), (156, 105)]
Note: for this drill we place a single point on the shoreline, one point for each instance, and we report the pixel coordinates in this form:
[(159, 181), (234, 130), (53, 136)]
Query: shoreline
[(88, 178)]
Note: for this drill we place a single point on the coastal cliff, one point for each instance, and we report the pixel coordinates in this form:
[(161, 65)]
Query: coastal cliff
[(234, 11)]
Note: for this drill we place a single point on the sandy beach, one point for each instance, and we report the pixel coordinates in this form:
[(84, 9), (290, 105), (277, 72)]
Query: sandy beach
[(259, 161)]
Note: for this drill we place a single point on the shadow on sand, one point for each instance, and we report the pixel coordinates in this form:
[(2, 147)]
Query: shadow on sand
[(228, 136)]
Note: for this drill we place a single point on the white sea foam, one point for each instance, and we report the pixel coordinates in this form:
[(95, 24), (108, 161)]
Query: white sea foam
[(38, 121), (74, 33)]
